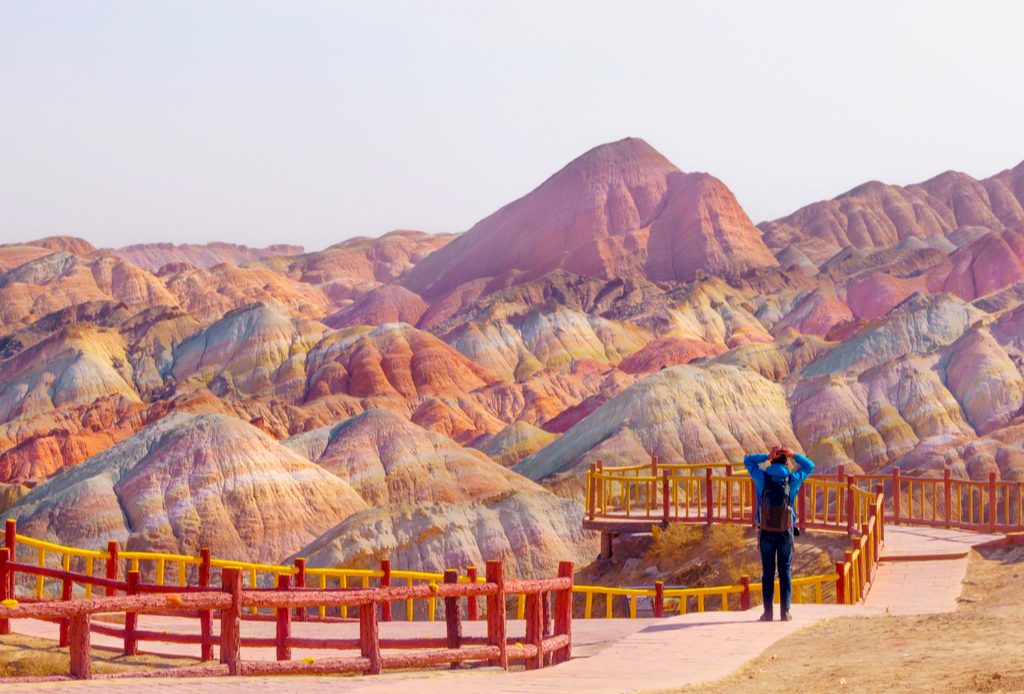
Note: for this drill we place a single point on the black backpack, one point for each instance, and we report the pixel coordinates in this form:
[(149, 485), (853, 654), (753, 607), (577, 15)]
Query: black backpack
[(774, 509)]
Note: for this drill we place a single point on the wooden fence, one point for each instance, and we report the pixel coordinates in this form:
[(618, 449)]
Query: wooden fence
[(231, 600), (715, 494), (849, 583), (721, 494), (166, 569)]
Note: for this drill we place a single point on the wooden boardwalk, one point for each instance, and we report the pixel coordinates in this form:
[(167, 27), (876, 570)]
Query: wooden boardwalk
[(619, 655)]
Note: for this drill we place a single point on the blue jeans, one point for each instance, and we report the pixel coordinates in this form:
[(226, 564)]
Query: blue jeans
[(776, 552)]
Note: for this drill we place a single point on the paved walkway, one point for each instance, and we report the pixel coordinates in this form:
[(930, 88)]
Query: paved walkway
[(921, 570), (612, 656)]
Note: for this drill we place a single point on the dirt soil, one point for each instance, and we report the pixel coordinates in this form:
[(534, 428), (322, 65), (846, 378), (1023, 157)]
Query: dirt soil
[(25, 656), (978, 648), (694, 556)]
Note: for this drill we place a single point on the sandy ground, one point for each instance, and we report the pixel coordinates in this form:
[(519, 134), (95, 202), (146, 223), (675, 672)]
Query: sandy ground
[(978, 648)]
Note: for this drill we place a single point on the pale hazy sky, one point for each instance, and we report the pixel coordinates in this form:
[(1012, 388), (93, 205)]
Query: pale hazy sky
[(309, 122)]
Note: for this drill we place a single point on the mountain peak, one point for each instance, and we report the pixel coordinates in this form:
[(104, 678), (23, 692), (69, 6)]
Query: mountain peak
[(629, 162), (601, 216), (628, 149)]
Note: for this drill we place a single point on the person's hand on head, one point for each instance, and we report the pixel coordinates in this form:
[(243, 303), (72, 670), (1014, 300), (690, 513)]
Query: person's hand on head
[(788, 452)]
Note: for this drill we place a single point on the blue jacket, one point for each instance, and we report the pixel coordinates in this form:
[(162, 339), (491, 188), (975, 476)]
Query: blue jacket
[(779, 472)]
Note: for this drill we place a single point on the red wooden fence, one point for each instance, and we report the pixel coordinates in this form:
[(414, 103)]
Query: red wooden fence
[(538, 646)]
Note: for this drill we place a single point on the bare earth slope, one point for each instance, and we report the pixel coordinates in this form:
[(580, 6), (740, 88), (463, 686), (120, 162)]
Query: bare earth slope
[(189, 482)]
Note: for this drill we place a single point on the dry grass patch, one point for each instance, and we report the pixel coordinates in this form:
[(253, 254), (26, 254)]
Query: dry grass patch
[(696, 556), (27, 656)]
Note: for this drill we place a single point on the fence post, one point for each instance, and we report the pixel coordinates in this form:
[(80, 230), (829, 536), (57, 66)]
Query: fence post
[(231, 621), (652, 486), (947, 496), (131, 619), (473, 606), (895, 496), (453, 615), (745, 595), (840, 498), (659, 599), (588, 489), (534, 631), (10, 543), (850, 506), (880, 517), (851, 577), (284, 621), (709, 492), (563, 612), (665, 497), (300, 582), (992, 506), (10, 536), (66, 586), (592, 484), (81, 661), (865, 569), (496, 626), (840, 583), (5, 587), (728, 492), (205, 616), (385, 582), (802, 511), (112, 565), (545, 602), (873, 538), (865, 557), (369, 636), (599, 467)]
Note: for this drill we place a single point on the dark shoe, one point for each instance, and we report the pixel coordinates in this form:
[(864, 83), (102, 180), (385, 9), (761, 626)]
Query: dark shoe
[(786, 616), (766, 617)]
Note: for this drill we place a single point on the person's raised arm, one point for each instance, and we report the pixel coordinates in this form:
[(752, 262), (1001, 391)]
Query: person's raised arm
[(806, 465), (752, 463)]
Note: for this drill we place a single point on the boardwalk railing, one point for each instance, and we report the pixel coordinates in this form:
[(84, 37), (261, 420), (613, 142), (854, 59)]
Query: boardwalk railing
[(664, 601), (987, 506), (715, 494), (848, 585), (724, 494), (857, 570), (538, 646)]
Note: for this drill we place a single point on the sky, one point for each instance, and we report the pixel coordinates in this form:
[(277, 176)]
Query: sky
[(310, 122)]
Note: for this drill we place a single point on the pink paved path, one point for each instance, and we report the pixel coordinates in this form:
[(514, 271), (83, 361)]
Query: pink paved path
[(905, 586), (634, 655)]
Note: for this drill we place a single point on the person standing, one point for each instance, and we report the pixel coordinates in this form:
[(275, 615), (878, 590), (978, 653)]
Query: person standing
[(777, 482)]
